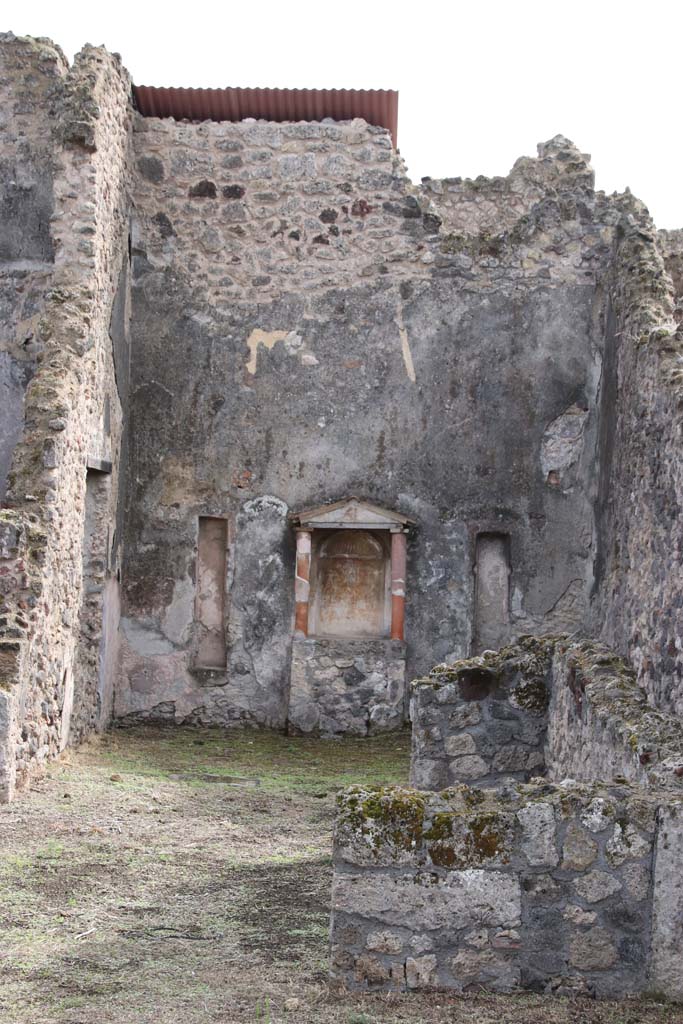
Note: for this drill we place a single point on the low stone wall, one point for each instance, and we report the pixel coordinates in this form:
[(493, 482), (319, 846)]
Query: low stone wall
[(546, 888), (542, 705), (600, 724), (347, 686), (482, 718)]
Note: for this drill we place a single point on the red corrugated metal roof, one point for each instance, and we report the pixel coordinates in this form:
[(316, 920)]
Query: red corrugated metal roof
[(376, 106)]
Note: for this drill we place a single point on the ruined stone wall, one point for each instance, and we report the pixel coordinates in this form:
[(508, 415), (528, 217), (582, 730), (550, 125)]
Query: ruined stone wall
[(601, 726), (488, 208), (51, 625), (305, 328), (29, 78), (483, 719), (542, 705), (544, 888), (670, 245), (640, 563)]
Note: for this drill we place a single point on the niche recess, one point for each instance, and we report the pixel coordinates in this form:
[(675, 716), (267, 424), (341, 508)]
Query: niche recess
[(491, 591), (350, 584), (350, 574), (210, 603)]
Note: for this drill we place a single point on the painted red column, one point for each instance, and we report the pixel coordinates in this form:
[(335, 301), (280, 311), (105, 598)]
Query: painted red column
[(301, 585), (398, 584)]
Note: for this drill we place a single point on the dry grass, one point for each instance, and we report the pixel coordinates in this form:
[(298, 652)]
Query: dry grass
[(182, 877)]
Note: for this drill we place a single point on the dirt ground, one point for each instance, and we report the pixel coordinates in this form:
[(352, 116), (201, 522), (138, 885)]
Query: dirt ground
[(181, 877)]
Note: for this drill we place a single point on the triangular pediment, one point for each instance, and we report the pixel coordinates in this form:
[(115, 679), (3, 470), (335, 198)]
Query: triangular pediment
[(351, 513)]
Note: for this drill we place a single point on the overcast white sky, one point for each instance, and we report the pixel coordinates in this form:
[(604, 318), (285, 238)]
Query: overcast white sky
[(480, 83)]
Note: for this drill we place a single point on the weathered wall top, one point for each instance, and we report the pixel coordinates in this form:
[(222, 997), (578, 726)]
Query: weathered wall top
[(492, 206)]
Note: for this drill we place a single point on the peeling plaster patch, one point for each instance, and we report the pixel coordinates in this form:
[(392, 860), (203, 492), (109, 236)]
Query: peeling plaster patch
[(293, 342), (266, 338), (405, 344), (264, 504), (179, 614), (563, 443)]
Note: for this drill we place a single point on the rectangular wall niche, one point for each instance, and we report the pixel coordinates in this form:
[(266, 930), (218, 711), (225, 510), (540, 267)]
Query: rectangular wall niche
[(492, 591), (212, 547)]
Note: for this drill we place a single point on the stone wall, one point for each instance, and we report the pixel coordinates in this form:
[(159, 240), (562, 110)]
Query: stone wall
[(601, 725), (545, 888), (640, 559), (53, 591), (670, 245), (542, 705), (489, 208), (483, 719), (305, 328), (29, 76), (346, 686)]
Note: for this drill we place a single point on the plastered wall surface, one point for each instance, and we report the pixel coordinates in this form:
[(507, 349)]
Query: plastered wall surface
[(305, 328)]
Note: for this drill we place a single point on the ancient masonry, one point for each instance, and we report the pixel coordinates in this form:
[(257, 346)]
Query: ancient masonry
[(281, 430)]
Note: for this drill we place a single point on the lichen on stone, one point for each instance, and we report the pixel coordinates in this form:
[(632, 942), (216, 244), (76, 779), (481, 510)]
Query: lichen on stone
[(383, 817)]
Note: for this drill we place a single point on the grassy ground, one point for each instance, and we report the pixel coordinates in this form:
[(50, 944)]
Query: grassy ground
[(180, 877)]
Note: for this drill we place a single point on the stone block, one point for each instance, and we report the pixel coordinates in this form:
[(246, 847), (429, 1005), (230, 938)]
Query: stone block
[(486, 970), (592, 950), (596, 886), (538, 827), (421, 971), (578, 850), (384, 942), (462, 899), (10, 661)]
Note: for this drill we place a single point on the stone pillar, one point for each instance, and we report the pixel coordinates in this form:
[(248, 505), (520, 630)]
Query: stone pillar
[(398, 584), (302, 586)]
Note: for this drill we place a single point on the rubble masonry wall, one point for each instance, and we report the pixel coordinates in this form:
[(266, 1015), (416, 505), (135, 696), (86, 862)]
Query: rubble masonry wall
[(51, 652), (542, 887)]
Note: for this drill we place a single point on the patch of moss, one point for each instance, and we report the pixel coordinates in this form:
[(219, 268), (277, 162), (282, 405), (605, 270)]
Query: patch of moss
[(487, 839), (444, 856), (474, 246), (453, 243), (532, 695), (441, 827), (529, 655), (385, 816), (474, 797), (464, 841)]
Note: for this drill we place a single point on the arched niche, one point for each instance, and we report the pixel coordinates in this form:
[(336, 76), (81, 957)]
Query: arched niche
[(350, 584)]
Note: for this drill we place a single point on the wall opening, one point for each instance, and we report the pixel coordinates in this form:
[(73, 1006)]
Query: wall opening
[(491, 591), (350, 584), (210, 605)]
